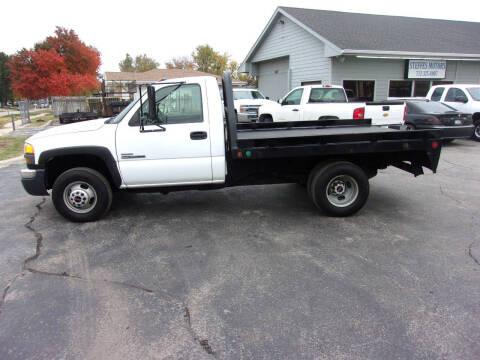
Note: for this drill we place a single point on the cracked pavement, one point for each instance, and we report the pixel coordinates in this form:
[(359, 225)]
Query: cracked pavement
[(248, 272)]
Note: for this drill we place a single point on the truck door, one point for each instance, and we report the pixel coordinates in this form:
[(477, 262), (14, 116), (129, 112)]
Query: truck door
[(178, 155), (290, 110), (457, 99)]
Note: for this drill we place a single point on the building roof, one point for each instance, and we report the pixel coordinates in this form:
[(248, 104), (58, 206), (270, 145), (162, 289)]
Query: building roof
[(390, 33), (158, 75), (381, 35)]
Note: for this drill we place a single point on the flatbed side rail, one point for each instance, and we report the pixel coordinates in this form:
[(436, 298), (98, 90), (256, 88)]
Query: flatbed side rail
[(314, 124)]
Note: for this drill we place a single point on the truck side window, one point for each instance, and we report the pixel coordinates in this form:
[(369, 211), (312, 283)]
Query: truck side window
[(453, 93), (293, 98), (181, 106), (437, 94)]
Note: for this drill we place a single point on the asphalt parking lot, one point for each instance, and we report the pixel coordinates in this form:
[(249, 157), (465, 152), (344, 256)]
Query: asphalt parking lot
[(248, 273)]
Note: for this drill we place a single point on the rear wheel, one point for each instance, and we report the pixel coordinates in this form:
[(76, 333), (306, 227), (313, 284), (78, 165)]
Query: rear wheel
[(82, 194), (339, 188), (476, 131)]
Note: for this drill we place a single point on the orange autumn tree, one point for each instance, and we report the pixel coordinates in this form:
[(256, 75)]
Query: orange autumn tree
[(61, 65)]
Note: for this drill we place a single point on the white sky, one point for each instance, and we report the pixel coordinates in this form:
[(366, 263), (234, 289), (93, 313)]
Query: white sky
[(165, 29)]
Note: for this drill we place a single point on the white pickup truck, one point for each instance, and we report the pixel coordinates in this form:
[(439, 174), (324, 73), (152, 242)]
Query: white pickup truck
[(462, 97), (179, 136), (330, 102)]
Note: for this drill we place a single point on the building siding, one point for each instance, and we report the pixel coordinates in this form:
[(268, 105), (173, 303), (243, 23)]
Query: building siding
[(306, 53), (468, 72), (379, 70)]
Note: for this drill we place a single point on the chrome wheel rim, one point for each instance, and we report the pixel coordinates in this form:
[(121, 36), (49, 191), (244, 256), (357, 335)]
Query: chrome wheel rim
[(80, 197), (477, 131), (342, 190)]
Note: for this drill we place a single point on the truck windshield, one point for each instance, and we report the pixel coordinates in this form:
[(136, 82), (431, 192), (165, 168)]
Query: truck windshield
[(475, 93), (121, 115), (321, 95), (247, 94)]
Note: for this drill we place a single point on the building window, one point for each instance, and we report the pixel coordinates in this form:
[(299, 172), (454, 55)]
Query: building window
[(400, 88), (421, 88), (359, 90)]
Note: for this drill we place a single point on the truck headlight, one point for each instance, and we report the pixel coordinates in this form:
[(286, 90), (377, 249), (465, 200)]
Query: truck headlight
[(243, 108), (29, 153), (28, 149)]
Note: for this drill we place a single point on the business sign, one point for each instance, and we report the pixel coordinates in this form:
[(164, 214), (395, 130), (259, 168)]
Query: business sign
[(426, 69)]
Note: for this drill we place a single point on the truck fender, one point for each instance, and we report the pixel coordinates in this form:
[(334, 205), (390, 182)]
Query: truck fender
[(99, 151)]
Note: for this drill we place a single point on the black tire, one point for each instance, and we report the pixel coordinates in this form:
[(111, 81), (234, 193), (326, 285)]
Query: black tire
[(266, 119), (312, 174), (90, 182), (476, 131), (354, 182)]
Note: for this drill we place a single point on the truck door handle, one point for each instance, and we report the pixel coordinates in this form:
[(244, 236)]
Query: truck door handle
[(198, 135), (294, 109)]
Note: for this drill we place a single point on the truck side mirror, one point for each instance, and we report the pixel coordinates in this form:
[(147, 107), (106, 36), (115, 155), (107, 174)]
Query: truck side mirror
[(280, 101), (152, 105)]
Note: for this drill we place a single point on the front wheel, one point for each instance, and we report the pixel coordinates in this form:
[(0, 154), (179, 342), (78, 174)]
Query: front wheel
[(339, 189), (476, 131), (82, 195)]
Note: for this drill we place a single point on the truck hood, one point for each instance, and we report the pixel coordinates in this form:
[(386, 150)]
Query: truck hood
[(90, 125)]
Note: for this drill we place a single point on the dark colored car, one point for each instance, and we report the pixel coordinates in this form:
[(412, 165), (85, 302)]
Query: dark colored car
[(423, 114)]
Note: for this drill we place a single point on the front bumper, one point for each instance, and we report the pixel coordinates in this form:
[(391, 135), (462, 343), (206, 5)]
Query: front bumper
[(33, 181), (453, 132)]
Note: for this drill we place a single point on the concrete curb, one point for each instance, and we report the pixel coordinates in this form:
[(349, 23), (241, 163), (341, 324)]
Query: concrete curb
[(8, 162)]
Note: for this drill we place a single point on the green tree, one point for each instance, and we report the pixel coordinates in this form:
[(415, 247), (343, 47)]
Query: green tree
[(182, 62), (144, 63), (141, 63), (204, 58), (6, 93), (127, 64)]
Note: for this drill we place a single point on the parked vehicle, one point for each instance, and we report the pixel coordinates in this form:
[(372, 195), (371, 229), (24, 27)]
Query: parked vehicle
[(330, 102), (66, 118), (247, 102), (462, 97), (434, 115), (179, 136)]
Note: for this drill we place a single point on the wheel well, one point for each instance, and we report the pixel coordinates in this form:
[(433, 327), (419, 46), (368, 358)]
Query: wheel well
[(56, 166), (476, 116), (265, 116)]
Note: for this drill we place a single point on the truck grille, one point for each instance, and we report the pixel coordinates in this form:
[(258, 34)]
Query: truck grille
[(251, 111)]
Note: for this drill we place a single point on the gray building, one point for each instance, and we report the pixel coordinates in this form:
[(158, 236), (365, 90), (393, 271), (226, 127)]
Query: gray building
[(374, 57)]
